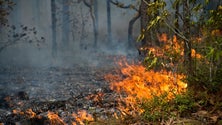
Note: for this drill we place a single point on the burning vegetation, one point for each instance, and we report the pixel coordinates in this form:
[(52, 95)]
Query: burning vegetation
[(136, 83), (134, 89), (154, 90)]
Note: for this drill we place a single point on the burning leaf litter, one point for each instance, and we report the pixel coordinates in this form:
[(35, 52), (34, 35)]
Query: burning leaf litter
[(135, 84), (128, 86)]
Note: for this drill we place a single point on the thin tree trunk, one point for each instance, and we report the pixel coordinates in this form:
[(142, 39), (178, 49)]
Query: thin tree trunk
[(94, 16), (176, 16), (54, 42), (65, 24), (82, 36), (130, 29), (96, 21), (109, 31), (187, 44), (144, 21)]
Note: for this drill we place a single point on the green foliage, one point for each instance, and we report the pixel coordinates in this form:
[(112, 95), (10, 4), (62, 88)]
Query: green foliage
[(160, 108), (215, 19), (150, 60), (156, 109), (156, 5), (184, 104), (208, 70), (157, 12)]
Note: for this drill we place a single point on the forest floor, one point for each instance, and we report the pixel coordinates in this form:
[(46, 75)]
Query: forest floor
[(29, 96)]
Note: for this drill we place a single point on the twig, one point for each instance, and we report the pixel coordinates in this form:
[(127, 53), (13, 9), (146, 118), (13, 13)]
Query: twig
[(121, 5), (176, 32)]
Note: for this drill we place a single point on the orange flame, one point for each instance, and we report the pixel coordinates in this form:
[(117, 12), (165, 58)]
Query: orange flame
[(195, 55), (82, 116), (55, 119), (30, 113), (162, 37), (17, 111), (139, 84)]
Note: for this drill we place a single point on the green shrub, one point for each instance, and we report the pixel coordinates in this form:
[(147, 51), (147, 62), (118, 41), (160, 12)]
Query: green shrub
[(160, 108)]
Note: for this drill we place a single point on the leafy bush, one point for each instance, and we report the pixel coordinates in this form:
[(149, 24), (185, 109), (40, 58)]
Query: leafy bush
[(160, 108), (208, 70)]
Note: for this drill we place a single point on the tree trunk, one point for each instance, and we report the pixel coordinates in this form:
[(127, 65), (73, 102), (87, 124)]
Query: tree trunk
[(94, 16), (130, 29), (109, 31), (65, 24), (176, 16), (144, 21), (96, 21), (95, 5), (187, 44), (82, 35), (54, 42)]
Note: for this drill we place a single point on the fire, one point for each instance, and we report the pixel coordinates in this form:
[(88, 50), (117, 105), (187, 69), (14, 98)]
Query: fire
[(195, 55), (17, 111), (55, 119), (82, 116), (137, 84), (162, 37), (30, 113)]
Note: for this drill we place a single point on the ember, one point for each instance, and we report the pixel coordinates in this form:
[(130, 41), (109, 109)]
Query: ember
[(55, 119), (81, 117), (30, 113)]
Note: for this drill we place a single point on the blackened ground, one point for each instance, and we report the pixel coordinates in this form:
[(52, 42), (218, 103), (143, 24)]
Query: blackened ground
[(59, 88), (56, 83)]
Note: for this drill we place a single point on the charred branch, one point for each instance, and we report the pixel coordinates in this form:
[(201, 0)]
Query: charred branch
[(121, 5)]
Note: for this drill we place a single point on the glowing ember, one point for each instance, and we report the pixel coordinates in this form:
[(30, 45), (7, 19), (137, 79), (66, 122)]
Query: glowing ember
[(30, 113), (162, 37), (82, 116), (55, 119), (16, 111), (195, 55)]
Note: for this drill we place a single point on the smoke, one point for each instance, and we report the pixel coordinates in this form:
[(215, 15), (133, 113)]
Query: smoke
[(80, 48)]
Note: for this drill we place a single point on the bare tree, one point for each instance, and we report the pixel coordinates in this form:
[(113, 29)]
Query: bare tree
[(53, 14), (92, 5), (186, 29), (65, 23), (131, 22), (109, 30)]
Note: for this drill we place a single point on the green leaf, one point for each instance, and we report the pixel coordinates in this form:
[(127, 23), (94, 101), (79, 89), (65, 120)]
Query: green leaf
[(154, 61), (210, 53), (140, 37), (197, 8)]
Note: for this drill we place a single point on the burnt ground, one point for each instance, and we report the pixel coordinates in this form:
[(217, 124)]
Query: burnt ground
[(63, 90), (28, 95), (53, 83)]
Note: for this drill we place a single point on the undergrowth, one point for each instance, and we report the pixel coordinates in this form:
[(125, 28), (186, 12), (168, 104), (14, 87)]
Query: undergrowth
[(159, 108)]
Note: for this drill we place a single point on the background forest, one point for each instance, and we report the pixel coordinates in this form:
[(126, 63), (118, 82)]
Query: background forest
[(176, 46), (63, 28)]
